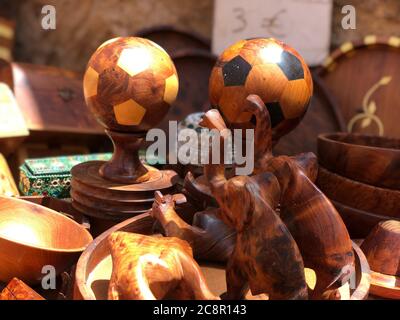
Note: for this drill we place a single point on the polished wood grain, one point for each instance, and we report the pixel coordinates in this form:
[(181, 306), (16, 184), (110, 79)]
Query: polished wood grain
[(107, 202), (149, 268), (125, 166), (378, 59), (129, 84), (211, 239), (266, 257), (305, 210), (198, 191), (94, 267), (268, 68), (382, 248), (32, 236), (359, 223), (368, 159), (18, 290), (359, 195), (62, 206), (385, 286), (98, 250)]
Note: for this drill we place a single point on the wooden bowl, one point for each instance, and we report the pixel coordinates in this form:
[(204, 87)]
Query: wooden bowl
[(32, 236), (94, 267), (359, 223), (382, 249), (358, 195), (368, 159)]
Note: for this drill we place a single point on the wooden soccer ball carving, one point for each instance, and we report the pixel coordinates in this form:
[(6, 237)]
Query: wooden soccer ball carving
[(268, 68), (130, 84)]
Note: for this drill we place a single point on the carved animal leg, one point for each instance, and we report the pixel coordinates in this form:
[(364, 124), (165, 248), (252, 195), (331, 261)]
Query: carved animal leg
[(315, 225), (236, 282)]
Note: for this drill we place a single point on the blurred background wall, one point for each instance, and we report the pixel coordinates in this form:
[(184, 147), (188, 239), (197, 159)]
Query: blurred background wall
[(83, 25)]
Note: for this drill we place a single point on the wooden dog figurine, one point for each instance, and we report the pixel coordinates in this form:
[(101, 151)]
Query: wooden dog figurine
[(210, 238), (265, 257), (313, 221), (149, 268)]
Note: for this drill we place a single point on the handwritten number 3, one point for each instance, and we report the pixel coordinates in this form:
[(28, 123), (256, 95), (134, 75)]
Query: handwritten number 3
[(240, 16)]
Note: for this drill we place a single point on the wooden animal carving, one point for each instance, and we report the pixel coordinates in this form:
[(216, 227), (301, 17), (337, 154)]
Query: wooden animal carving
[(315, 224), (265, 257), (149, 268), (210, 238)]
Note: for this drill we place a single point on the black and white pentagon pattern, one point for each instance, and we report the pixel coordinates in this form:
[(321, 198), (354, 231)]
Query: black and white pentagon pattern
[(235, 72), (291, 66), (275, 113)]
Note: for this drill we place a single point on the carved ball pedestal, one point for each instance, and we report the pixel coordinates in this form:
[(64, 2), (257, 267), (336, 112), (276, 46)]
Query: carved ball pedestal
[(129, 85)]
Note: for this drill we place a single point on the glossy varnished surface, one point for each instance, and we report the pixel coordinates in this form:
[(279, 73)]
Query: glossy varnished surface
[(359, 195), (32, 236), (364, 77), (382, 248), (323, 115), (94, 267), (129, 84), (266, 67), (368, 159), (304, 210)]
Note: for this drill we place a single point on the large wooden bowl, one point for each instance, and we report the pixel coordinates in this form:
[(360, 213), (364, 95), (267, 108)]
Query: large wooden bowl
[(359, 223), (94, 267), (368, 159), (359, 195), (33, 236)]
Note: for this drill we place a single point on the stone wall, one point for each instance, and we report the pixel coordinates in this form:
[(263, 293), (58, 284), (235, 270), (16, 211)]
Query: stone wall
[(82, 25)]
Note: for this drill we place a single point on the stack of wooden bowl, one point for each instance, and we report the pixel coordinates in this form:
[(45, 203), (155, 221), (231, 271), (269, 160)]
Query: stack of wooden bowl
[(361, 175)]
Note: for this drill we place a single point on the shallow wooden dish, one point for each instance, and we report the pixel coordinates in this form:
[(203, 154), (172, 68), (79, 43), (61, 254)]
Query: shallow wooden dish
[(94, 267), (369, 159), (359, 223), (32, 236), (359, 195)]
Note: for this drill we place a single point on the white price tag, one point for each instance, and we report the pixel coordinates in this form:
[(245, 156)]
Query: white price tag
[(302, 24)]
